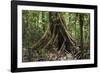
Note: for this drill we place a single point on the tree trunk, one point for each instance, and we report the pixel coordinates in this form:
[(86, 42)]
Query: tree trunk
[(56, 35), (81, 34)]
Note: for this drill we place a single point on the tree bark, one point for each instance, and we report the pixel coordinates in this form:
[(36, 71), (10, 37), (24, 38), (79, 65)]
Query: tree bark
[(56, 29), (81, 34)]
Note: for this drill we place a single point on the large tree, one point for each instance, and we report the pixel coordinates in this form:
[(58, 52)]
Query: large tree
[(56, 36)]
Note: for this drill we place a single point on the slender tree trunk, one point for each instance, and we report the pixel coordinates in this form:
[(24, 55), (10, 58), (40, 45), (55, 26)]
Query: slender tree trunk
[(81, 34)]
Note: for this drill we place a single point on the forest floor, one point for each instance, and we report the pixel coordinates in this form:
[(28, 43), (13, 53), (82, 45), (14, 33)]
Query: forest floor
[(49, 56)]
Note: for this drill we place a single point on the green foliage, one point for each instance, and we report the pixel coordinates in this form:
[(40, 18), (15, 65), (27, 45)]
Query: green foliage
[(34, 25), (73, 26)]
